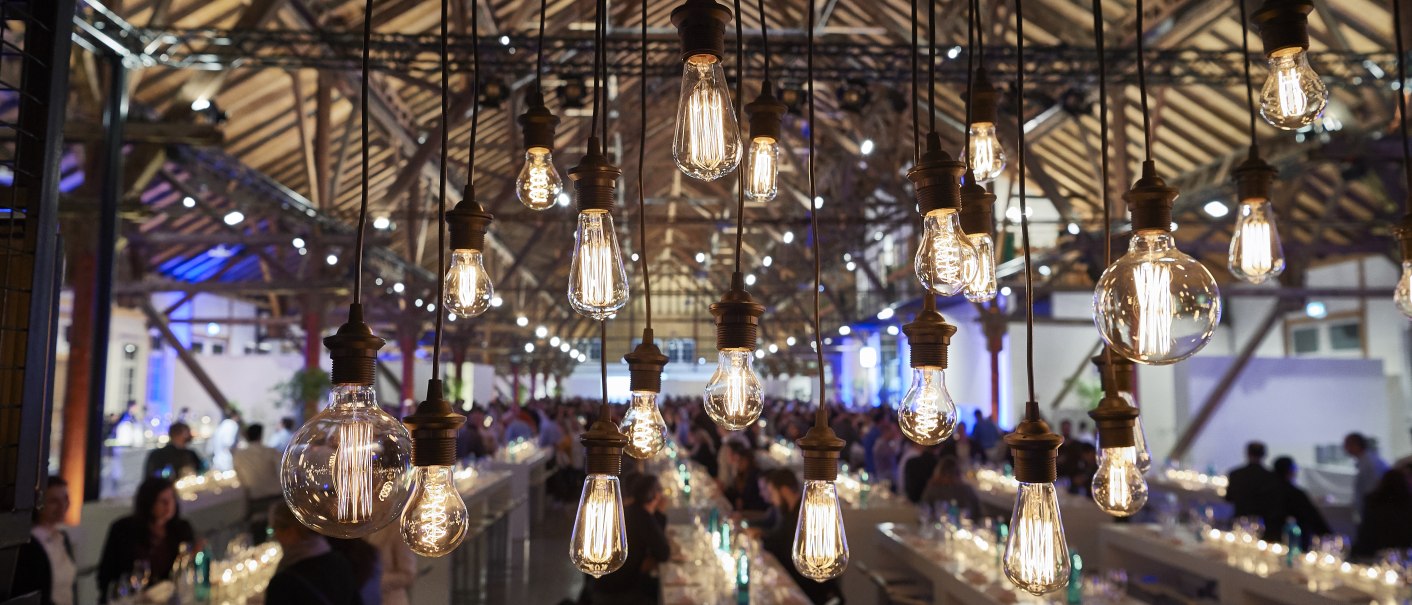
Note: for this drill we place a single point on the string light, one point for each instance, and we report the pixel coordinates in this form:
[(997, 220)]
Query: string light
[(1256, 254), (706, 142), (538, 185), (1293, 95)]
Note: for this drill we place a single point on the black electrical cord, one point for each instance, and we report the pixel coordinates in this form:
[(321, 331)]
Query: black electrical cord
[(1142, 87), (916, 122), (931, 65), (441, 197), (603, 51), (597, 69), (740, 172), (363, 182), (1245, 48), (475, 99), (764, 39), (1401, 92), (603, 412), (642, 167), (971, 26), (1024, 210), (822, 418), (539, 49), (1098, 41)]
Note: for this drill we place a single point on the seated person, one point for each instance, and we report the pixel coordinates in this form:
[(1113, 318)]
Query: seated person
[(1291, 503), (783, 489), (174, 460), (742, 490), (146, 542), (310, 570), (948, 487), (646, 525)]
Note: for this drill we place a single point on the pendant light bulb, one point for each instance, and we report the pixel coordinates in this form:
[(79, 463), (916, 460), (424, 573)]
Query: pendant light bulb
[(345, 473), (982, 285), (539, 184), (598, 544), (986, 153), (1256, 254), (1293, 95), (1402, 295), (1156, 305), (927, 414), (644, 426), (706, 144), (1119, 488), (734, 396), (598, 281), (820, 545), (945, 259), (436, 520), (762, 167), (468, 287), (1036, 553)]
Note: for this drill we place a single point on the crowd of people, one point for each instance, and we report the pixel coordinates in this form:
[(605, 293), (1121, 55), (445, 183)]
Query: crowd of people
[(1381, 499)]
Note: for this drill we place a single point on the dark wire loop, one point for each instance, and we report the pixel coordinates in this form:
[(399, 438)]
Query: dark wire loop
[(1402, 93), (740, 171), (441, 196), (1098, 42), (642, 167), (1024, 210), (916, 121), (363, 127)]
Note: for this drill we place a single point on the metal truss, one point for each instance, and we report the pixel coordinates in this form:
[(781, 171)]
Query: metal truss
[(211, 49)]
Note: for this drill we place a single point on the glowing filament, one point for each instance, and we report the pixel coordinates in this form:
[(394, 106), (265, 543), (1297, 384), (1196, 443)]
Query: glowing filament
[(352, 467), (1153, 284)]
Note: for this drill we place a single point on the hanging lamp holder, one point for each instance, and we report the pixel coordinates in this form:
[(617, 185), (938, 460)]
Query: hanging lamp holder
[(1124, 372), (985, 101), (1034, 447), (929, 336), (1115, 420), (354, 350), (701, 25), (645, 364), (603, 448), (820, 448), (468, 222), (936, 178), (595, 180), (1283, 24), (434, 425), (1403, 232), (1254, 177), (537, 122), (765, 113), (1150, 201), (977, 206), (737, 317)]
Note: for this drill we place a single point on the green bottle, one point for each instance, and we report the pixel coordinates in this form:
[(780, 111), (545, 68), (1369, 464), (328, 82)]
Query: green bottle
[(742, 578), (1076, 580), (1294, 537)]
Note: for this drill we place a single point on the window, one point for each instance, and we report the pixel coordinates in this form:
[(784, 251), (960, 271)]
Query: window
[(1306, 340), (681, 350), (1346, 336)]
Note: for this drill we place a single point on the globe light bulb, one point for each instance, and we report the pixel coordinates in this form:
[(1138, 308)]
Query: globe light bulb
[(1036, 554), (706, 144), (762, 167), (599, 542), (1293, 95), (734, 397), (987, 155), (944, 254), (981, 287), (927, 414), (820, 545), (436, 520), (346, 472), (644, 426), (539, 182), (1156, 305), (1119, 488), (468, 287), (598, 282), (1403, 294), (1256, 254)]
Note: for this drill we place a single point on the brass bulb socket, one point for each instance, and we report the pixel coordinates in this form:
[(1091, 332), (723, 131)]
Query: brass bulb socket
[(1283, 24), (1124, 372), (1035, 450), (977, 207), (1115, 420), (603, 448), (1254, 177), (595, 180), (936, 179), (354, 350), (737, 317), (820, 448), (645, 364), (984, 100), (701, 25), (467, 223), (765, 113), (1150, 201), (433, 426), (928, 337), (537, 123)]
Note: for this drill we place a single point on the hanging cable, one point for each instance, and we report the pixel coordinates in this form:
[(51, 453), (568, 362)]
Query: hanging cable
[(822, 419), (1024, 209), (475, 99), (539, 49), (916, 122), (603, 412), (764, 38), (971, 25), (441, 196), (1245, 54), (1142, 87), (363, 126), (931, 64), (1401, 93), (642, 167), (740, 98), (597, 69)]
